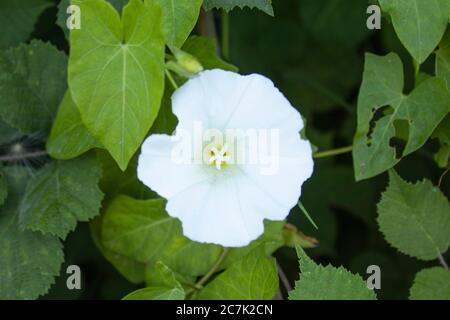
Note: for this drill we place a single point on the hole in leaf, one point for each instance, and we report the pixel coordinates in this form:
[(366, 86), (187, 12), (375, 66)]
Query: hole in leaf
[(401, 137), (377, 114)]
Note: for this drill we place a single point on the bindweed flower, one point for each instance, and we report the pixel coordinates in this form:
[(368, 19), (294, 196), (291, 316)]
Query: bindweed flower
[(235, 159)]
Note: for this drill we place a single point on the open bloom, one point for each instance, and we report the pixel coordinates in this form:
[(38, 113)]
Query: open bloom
[(236, 158)]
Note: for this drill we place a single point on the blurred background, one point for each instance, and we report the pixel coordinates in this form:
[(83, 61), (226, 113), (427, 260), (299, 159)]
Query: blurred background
[(314, 51)]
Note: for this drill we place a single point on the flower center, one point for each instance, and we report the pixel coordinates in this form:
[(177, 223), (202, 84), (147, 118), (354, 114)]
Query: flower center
[(219, 157)]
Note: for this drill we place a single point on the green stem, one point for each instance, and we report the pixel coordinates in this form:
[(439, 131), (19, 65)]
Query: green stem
[(199, 284), (171, 79), (333, 152), (225, 35)]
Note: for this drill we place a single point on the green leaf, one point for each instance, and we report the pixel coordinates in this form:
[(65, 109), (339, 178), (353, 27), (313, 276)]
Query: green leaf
[(421, 112), (431, 284), (420, 24), (254, 277), (17, 20), (137, 229), (415, 218), (63, 15), (29, 260), (442, 133), (205, 50), (328, 283), (132, 270), (189, 257), (160, 275), (227, 5), (116, 73), (141, 230), (179, 18), (32, 84), (60, 194), (162, 285), (156, 293), (443, 59), (69, 137)]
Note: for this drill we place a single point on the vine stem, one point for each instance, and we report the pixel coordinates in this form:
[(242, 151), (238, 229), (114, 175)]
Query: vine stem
[(442, 261), (199, 284), (225, 35), (333, 152), (23, 156), (441, 178), (284, 279), (171, 79)]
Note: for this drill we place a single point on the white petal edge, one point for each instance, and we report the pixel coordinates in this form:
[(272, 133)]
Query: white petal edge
[(157, 170), (215, 215)]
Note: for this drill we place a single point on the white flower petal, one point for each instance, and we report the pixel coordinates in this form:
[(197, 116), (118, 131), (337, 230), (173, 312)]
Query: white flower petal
[(264, 106), (157, 170), (216, 213), (212, 97), (285, 184)]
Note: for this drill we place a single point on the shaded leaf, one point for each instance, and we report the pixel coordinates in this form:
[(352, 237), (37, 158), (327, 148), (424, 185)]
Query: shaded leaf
[(60, 194), (415, 218), (17, 20), (420, 24), (29, 260), (227, 5), (442, 133), (422, 111), (443, 59), (431, 284), (32, 84), (328, 283)]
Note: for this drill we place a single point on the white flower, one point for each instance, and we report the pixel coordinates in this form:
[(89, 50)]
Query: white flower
[(222, 198)]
